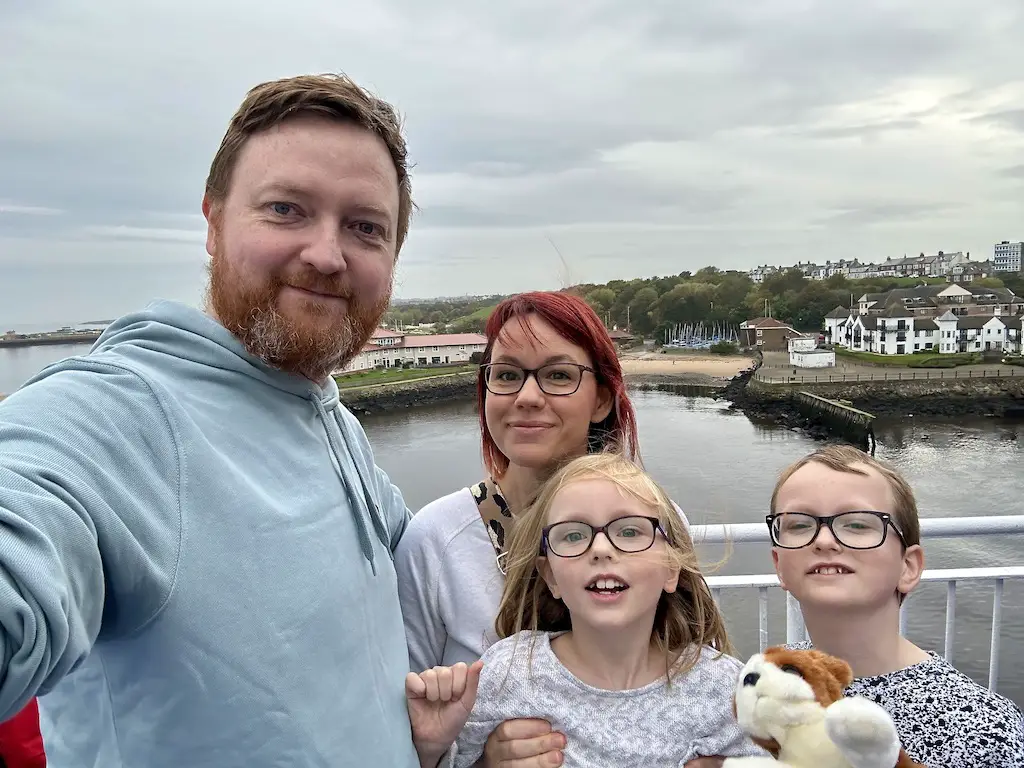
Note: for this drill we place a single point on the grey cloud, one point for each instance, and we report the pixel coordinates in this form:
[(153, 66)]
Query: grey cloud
[(12, 209), (112, 114), (1013, 172), (152, 234), (1006, 118), (880, 213), (865, 130)]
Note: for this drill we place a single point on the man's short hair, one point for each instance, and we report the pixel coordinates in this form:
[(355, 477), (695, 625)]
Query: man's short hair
[(843, 458), (336, 97)]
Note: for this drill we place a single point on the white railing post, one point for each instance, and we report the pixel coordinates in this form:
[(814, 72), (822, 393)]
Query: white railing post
[(997, 616), (762, 618), (796, 632), (947, 651)]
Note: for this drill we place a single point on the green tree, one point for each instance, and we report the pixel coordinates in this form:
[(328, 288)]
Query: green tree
[(640, 308)]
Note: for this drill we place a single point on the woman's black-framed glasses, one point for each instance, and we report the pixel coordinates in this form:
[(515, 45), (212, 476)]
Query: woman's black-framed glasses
[(553, 379), (573, 538), (855, 530)]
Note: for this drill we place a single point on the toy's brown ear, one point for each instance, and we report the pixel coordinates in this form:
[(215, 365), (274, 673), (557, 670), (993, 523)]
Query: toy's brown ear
[(839, 669)]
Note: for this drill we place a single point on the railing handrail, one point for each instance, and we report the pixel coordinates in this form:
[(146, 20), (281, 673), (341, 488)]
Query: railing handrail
[(935, 574), (882, 374), (931, 528)]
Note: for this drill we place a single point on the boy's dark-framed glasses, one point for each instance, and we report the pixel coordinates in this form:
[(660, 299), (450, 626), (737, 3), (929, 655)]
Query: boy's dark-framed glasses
[(553, 379), (573, 538), (855, 530)]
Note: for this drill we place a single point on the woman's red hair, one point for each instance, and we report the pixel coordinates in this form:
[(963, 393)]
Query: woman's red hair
[(575, 322)]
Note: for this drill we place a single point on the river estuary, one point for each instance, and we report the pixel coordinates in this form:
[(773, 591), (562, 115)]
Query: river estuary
[(720, 467)]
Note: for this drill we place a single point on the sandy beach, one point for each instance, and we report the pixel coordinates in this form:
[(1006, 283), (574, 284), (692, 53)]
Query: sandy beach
[(715, 366)]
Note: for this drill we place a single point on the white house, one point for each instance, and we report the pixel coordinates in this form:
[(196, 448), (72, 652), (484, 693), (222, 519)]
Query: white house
[(812, 358), (802, 343), (387, 349), (900, 332), (979, 333)]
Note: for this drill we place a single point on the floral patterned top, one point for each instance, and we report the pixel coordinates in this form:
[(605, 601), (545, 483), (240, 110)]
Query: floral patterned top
[(944, 718)]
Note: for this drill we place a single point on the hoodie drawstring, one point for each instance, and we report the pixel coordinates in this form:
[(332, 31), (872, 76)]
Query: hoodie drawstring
[(363, 509), (372, 507)]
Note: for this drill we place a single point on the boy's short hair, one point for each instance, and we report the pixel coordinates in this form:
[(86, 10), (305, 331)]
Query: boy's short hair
[(843, 458)]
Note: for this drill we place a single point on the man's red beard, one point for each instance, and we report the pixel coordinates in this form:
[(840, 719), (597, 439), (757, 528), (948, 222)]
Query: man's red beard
[(311, 346)]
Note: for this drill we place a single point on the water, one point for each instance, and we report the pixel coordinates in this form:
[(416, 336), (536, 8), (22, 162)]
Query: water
[(721, 467), (18, 364)]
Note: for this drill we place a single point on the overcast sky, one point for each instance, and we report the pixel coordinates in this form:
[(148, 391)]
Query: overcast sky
[(633, 138)]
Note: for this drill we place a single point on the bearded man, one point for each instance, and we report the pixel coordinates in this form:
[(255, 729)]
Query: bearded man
[(196, 544)]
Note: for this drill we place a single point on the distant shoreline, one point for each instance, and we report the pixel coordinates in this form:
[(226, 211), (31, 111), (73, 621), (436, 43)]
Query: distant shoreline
[(48, 339)]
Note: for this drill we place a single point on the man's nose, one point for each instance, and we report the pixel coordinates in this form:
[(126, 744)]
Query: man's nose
[(326, 252)]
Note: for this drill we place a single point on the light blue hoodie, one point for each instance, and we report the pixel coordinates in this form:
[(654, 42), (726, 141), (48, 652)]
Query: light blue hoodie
[(196, 561)]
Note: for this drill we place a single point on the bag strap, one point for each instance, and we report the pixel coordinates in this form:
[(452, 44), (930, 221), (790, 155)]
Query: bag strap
[(496, 516)]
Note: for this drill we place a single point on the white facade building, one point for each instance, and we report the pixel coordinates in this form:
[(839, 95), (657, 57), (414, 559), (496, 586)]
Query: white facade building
[(802, 343), (812, 358), (1006, 256), (388, 349), (901, 333)]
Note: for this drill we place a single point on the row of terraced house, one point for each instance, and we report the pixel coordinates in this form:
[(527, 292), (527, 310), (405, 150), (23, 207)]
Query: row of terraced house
[(955, 266), (939, 318)]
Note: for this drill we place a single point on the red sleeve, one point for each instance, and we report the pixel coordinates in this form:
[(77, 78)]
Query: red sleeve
[(21, 743)]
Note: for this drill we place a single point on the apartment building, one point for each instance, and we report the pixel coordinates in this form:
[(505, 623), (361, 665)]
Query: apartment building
[(1006, 256)]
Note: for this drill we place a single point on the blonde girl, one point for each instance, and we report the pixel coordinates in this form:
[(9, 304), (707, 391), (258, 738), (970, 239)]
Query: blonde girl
[(610, 633)]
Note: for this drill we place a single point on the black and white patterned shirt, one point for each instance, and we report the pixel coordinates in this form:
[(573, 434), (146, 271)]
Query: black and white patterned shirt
[(944, 718)]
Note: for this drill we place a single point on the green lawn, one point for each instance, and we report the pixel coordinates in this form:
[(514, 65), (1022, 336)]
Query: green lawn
[(390, 375), (921, 360)]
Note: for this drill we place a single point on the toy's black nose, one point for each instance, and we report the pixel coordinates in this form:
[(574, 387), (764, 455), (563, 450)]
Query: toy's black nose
[(751, 678)]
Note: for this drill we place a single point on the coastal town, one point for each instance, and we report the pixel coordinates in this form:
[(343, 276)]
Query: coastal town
[(851, 330)]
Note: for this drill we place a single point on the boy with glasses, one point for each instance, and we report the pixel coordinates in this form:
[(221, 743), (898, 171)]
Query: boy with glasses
[(846, 544)]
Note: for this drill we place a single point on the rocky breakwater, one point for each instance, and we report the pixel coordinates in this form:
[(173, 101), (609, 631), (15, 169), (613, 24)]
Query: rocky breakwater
[(965, 395), (771, 405), (379, 398)]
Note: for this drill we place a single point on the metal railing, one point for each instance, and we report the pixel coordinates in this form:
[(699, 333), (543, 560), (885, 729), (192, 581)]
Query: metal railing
[(770, 376), (931, 528)]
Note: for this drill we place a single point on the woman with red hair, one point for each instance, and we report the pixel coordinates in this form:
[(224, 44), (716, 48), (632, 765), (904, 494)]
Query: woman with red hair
[(550, 389)]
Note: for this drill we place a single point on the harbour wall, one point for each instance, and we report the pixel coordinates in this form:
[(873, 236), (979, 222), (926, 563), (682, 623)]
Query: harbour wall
[(943, 397), (380, 398)]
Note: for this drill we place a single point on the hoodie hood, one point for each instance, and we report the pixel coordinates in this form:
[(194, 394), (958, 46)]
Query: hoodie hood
[(176, 329), (186, 333)]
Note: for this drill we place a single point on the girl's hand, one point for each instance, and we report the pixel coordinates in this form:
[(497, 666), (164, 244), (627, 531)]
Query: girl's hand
[(440, 701)]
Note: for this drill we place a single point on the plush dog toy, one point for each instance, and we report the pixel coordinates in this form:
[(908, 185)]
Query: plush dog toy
[(791, 703)]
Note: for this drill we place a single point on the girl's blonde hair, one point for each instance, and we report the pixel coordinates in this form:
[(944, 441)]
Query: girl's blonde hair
[(685, 621)]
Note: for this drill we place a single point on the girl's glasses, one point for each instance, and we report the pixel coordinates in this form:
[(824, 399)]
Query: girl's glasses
[(572, 538), (856, 530)]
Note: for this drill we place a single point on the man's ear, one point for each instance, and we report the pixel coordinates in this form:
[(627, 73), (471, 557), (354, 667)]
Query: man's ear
[(913, 568), (544, 569), (212, 213)]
